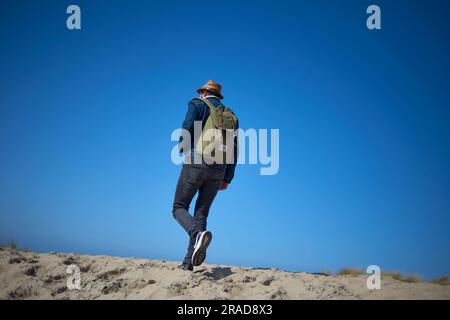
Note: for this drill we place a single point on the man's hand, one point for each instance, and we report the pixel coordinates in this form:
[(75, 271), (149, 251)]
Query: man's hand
[(223, 186)]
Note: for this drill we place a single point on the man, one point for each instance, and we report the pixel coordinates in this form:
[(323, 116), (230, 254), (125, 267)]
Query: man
[(199, 175)]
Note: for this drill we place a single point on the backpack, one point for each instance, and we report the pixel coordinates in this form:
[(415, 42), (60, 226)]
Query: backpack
[(216, 141)]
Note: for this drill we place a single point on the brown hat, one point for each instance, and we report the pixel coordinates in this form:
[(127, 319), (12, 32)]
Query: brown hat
[(213, 87)]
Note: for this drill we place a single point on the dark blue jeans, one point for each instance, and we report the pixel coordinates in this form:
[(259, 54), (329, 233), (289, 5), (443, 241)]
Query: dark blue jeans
[(204, 179)]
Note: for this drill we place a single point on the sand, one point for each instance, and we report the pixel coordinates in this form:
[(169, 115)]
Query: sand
[(27, 275)]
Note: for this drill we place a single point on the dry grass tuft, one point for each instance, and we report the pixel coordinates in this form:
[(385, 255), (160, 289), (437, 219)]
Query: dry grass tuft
[(400, 277), (326, 272), (443, 281), (354, 272)]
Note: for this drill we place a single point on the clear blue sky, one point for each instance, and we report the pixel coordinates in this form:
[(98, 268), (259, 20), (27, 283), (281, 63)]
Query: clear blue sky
[(86, 118)]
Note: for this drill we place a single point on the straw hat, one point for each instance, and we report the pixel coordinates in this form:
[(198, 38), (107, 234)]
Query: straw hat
[(213, 87)]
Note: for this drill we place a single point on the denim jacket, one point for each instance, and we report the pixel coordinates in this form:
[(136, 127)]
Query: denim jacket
[(199, 111)]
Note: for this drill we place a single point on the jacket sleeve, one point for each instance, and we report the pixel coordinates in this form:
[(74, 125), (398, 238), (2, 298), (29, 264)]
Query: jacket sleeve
[(229, 173), (188, 123)]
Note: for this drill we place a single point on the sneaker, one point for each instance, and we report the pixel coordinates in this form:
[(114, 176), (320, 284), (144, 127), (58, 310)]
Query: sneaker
[(202, 242)]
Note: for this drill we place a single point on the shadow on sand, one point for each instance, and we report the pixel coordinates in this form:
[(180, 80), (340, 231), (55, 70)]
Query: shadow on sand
[(218, 273)]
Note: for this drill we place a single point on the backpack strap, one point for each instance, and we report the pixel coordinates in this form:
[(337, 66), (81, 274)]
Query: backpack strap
[(212, 108), (207, 102)]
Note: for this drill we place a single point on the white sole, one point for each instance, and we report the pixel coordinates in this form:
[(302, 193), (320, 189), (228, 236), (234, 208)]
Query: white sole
[(199, 254)]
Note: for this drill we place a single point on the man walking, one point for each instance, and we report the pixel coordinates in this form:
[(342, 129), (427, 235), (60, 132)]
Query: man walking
[(203, 171)]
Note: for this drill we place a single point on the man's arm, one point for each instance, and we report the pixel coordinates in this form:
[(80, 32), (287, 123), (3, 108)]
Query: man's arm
[(188, 123), (229, 173)]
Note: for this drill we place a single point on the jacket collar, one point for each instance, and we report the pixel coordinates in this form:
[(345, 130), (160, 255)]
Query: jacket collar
[(211, 96)]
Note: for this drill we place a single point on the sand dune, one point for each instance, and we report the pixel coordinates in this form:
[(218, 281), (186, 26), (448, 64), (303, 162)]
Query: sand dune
[(43, 276)]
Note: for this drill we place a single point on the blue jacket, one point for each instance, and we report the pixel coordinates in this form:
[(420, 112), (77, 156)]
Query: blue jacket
[(199, 111)]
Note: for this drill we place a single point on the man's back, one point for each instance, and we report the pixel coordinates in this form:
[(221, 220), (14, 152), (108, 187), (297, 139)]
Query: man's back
[(199, 111)]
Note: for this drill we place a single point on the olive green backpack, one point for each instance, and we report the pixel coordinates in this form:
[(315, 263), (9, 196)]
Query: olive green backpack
[(217, 138)]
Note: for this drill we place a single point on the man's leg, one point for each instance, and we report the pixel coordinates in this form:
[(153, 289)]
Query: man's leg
[(190, 250), (188, 184), (206, 195)]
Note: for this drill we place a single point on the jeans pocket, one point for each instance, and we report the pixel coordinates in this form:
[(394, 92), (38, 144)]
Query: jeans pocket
[(219, 172), (193, 173)]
